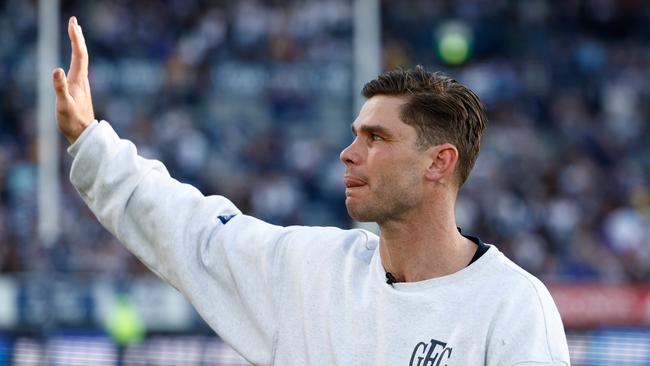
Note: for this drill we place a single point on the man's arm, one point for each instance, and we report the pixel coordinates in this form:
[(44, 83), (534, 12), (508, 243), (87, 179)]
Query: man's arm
[(220, 259), (224, 262)]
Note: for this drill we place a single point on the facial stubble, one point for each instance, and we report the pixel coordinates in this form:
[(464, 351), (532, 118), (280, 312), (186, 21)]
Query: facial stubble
[(389, 198)]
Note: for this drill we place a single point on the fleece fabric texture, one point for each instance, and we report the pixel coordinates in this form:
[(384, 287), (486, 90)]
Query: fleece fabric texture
[(310, 295)]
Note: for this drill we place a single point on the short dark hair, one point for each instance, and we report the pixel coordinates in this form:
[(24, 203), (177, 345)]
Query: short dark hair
[(439, 108)]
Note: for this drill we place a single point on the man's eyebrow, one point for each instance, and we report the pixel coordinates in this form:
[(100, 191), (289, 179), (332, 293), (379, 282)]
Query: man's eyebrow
[(370, 129)]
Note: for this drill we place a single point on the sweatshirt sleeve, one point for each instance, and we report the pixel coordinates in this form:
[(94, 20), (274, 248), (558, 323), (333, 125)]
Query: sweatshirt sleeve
[(221, 260)]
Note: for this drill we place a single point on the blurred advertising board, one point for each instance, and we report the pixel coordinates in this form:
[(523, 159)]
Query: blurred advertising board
[(8, 308), (37, 301), (588, 305)]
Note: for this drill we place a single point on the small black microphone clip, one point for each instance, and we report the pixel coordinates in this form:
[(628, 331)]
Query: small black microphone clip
[(390, 279)]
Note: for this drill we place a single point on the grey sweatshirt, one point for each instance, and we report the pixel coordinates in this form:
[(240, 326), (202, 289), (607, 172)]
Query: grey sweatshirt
[(310, 295)]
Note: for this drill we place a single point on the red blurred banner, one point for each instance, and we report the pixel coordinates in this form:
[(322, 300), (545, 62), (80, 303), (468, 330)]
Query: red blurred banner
[(584, 305)]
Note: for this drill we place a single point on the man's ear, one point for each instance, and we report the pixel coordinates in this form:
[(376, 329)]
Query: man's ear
[(443, 163)]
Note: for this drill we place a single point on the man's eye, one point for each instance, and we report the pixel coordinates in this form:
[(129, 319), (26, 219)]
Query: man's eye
[(375, 137)]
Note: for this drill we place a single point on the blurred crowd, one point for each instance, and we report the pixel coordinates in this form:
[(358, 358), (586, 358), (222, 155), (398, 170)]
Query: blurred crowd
[(253, 100)]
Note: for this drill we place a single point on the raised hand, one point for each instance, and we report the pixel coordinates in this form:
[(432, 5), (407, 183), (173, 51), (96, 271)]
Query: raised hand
[(74, 106)]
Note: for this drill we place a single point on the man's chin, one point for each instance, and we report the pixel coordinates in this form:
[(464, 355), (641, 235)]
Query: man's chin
[(359, 214)]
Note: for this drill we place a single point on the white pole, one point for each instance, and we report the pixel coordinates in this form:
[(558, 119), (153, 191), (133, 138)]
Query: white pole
[(367, 46), (48, 140)]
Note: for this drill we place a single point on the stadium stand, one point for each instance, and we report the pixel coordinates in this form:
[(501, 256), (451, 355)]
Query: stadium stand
[(252, 100)]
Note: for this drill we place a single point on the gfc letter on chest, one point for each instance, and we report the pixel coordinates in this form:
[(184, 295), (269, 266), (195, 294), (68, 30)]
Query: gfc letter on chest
[(430, 354)]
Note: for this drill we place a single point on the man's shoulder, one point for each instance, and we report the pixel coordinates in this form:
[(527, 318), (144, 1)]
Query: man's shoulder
[(331, 235), (505, 272), (519, 294), (524, 315), (327, 242)]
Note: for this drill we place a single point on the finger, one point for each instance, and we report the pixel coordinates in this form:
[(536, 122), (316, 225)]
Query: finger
[(79, 54), (60, 84)]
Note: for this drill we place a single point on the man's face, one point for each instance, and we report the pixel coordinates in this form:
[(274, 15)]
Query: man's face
[(384, 170)]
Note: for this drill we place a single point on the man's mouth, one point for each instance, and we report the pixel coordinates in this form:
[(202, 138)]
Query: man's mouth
[(353, 182)]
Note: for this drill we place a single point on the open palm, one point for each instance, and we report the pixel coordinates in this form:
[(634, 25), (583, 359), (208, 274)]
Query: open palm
[(74, 107)]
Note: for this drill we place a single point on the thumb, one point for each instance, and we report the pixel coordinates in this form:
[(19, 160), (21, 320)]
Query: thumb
[(60, 84)]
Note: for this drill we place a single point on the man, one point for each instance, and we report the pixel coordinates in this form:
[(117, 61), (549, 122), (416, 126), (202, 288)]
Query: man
[(420, 294)]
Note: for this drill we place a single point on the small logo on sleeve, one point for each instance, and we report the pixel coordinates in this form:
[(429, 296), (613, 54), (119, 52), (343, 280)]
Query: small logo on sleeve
[(225, 218), (434, 353)]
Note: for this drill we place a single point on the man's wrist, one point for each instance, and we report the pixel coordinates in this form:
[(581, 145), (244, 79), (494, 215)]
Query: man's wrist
[(83, 135)]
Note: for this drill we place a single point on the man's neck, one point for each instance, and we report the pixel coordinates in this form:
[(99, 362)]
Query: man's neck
[(424, 245)]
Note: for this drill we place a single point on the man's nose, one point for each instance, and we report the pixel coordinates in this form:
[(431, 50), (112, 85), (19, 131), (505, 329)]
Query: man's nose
[(349, 155)]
